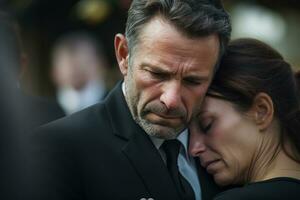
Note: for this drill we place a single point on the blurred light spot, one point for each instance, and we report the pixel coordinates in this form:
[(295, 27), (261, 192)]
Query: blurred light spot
[(93, 11), (258, 22), (21, 5)]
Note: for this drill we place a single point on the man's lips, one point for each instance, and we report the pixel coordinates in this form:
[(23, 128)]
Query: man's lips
[(167, 116), (165, 120)]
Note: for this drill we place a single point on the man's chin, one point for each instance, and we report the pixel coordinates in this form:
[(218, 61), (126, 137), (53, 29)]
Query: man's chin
[(161, 131)]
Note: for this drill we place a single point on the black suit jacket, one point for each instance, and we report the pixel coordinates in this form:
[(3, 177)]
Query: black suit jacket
[(100, 153), (19, 114)]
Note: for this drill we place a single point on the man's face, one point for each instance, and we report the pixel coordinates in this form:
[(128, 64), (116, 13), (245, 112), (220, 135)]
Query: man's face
[(167, 77)]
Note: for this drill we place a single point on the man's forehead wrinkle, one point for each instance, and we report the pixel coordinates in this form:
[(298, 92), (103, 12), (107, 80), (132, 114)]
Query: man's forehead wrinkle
[(175, 65), (177, 57), (179, 53), (164, 41)]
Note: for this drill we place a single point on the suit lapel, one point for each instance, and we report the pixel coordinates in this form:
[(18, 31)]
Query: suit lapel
[(150, 167), (139, 149)]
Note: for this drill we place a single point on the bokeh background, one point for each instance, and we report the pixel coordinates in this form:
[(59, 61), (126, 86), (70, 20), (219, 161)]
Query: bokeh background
[(43, 22)]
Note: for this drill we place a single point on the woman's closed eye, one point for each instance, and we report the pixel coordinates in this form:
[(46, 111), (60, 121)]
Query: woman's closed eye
[(206, 126)]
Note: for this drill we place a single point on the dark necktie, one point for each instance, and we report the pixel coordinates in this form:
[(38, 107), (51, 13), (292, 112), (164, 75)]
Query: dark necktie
[(171, 148)]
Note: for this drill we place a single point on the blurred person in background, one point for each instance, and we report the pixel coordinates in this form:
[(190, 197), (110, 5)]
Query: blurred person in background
[(247, 132), (78, 71), (10, 115), (19, 112), (32, 110)]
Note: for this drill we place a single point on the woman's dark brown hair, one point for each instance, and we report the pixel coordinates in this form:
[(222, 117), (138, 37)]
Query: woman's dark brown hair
[(250, 67)]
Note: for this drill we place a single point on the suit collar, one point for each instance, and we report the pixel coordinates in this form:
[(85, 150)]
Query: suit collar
[(119, 114), (138, 148), (148, 163)]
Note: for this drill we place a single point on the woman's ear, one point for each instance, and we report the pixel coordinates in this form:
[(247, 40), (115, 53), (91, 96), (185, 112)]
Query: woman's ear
[(122, 53), (263, 110)]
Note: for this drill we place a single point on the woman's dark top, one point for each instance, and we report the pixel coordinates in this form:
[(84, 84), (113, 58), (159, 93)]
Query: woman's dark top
[(276, 188)]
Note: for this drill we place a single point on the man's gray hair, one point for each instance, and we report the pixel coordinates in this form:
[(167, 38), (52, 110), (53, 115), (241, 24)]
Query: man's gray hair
[(193, 18)]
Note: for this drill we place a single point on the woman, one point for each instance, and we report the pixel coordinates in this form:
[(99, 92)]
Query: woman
[(248, 130)]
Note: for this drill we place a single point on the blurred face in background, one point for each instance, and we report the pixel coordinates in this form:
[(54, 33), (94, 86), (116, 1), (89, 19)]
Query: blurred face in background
[(75, 67), (225, 140), (166, 76)]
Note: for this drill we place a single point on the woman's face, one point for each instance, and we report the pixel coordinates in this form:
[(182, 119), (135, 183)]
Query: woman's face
[(225, 140)]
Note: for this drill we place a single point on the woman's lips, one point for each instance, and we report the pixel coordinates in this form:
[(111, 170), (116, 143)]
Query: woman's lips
[(210, 165)]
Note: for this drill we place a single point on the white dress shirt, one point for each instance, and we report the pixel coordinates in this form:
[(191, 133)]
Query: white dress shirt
[(72, 100)]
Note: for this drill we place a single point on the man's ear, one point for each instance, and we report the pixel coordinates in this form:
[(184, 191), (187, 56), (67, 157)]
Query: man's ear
[(263, 111), (122, 53)]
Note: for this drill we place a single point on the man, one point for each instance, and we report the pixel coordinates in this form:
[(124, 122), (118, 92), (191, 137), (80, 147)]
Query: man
[(116, 150), (78, 71)]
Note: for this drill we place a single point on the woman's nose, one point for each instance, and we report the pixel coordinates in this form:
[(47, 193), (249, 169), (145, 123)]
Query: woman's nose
[(196, 143)]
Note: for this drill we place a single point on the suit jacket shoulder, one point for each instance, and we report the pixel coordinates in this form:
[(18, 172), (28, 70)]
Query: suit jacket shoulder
[(98, 153)]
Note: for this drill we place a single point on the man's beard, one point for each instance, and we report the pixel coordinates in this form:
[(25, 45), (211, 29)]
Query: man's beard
[(154, 130)]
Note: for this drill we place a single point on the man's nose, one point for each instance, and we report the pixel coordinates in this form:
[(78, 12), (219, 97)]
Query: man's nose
[(196, 143), (172, 95)]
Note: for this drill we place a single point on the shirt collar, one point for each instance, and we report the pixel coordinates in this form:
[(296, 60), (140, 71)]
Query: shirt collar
[(157, 141), (182, 138)]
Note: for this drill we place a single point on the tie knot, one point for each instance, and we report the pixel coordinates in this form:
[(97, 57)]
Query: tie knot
[(171, 148)]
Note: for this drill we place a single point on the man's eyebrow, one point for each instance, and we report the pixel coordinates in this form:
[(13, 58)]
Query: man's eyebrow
[(155, 68), (201, 77)]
